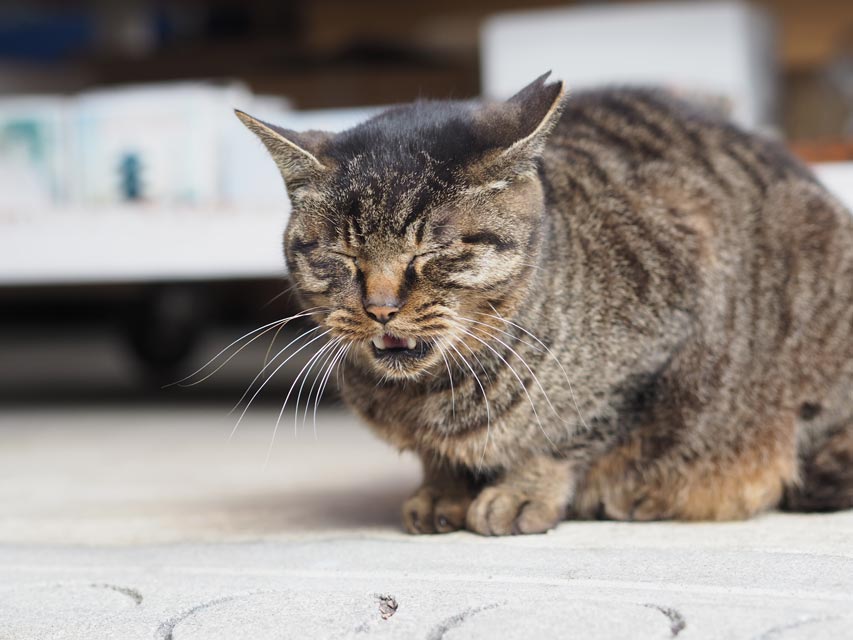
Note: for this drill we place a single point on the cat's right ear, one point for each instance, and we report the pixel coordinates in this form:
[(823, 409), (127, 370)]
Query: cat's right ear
[(297, 154)]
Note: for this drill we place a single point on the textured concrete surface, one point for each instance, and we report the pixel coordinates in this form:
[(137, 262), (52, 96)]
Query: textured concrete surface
[(148, 523)]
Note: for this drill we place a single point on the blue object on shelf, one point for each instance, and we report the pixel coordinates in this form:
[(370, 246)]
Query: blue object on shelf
[(130, 169)]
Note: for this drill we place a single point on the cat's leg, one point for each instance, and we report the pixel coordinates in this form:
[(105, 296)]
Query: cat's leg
[(441, 502), (826, 474), (530, 497), (825, 452), (654, 475)]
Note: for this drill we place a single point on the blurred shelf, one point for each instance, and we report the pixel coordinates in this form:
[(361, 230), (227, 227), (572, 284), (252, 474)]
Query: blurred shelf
[(141, 244), (132, 244)]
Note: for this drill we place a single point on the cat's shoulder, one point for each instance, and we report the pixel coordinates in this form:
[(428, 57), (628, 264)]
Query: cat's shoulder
[(646, 104)]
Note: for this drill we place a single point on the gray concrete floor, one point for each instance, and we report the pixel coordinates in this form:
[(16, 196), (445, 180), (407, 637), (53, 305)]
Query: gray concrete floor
[(146, 522)]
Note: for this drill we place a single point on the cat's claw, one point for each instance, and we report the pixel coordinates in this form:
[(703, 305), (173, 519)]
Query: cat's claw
[(501, 511), (428, 511)]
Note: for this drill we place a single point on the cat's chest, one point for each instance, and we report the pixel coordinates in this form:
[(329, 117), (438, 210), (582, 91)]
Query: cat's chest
[(429, 424)]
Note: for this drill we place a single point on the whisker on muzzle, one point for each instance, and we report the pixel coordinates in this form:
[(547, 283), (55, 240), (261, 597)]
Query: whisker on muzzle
[(263, 330)]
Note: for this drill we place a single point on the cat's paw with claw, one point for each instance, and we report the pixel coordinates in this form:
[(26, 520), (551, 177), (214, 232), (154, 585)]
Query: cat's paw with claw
[(502, 510), (433, 510)]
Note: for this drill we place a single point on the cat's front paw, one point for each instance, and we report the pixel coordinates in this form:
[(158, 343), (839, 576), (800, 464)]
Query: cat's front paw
[(503, 510), (433, 510)]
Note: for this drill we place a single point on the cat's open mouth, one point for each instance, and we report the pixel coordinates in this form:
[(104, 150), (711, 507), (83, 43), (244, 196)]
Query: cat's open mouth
[(387, 346)]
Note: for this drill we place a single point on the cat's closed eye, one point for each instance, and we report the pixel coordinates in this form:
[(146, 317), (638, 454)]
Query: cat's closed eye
[(304, 246), (489, 238), (348, 256)]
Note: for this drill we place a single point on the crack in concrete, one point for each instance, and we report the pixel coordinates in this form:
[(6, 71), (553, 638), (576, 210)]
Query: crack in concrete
[(677, 623), (166, 629), (778, 630), (131, 593), (438, 631)]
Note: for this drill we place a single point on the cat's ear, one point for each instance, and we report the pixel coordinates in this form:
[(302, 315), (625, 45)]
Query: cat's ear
[(520, 127), (538, 106), (297, 154)]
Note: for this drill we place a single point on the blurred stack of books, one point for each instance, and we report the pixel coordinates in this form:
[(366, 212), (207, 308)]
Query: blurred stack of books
[(144, 183), (151, 146)]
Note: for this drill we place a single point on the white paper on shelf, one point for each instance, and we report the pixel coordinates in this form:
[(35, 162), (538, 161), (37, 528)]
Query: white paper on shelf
[(174, 132), (704, 48)]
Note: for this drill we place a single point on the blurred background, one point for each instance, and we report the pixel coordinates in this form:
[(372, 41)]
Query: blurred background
[(140, 224)]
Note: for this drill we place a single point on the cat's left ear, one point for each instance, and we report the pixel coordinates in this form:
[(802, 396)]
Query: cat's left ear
[(521, 125), (538, 107), (297, 154)]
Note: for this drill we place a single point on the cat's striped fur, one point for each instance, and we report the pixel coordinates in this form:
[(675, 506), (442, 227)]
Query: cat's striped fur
[(624, 307)]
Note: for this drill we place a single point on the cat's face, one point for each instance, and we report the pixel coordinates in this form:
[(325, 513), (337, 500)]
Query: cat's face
[(405, 288), (410, 230)]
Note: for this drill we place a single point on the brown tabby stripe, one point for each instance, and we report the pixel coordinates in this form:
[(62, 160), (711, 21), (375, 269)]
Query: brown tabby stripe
[(591, 163)]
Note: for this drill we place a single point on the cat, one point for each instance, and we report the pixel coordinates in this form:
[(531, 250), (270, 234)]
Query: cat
[(608, 304)]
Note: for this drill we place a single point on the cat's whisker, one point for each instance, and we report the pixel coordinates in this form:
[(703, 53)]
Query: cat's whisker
[(518, 378), (279, 295), (506, 333), (325, 350), (264, 383), (339, 377), (321, 370), (335, 361), (267, 365), (497, 316), (272, 342), (444, 343), (479, 362), (530, 370), (264, 329), (452, 391), (289, 393), (485, 398), (314, 385)]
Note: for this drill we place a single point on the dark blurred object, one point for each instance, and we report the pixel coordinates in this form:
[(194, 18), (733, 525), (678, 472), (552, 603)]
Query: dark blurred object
[(44, 36), (164, 326), (339, 53), (124, 341)]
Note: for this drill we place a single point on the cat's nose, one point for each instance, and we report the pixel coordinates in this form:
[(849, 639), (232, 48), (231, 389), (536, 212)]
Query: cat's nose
[(382, 312), (381, 294)]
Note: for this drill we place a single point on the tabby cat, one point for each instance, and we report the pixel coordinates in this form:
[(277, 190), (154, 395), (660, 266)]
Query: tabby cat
[(602, 305)]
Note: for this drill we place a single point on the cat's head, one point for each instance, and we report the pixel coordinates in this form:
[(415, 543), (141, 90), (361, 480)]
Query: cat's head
[(415, 226)]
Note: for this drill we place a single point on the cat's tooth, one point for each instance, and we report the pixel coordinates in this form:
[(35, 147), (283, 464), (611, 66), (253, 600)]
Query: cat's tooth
[(378, 343), (411, 343)]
